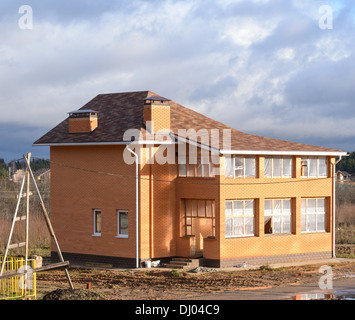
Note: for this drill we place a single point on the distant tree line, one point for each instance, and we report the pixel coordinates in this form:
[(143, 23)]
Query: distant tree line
[(4, 172), (36, 164), (347, 164)]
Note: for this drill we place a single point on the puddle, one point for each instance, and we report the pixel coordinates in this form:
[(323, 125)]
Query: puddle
[(338, 295), (346, 275), (312, 296)]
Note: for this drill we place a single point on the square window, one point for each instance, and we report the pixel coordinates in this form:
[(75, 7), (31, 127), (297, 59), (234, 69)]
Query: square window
[(239, 218)]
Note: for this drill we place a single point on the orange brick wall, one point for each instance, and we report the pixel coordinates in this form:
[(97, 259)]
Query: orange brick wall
[(159, 115), (75, 193), (80, 125), (157, 207), (266, 188)]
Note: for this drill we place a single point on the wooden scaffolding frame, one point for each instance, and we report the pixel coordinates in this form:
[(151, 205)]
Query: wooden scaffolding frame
[(62, 264)]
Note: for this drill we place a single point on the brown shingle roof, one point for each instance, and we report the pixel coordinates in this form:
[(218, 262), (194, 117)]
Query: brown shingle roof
[(119, 112)]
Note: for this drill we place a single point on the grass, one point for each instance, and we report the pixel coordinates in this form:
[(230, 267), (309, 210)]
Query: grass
[(344, 255), (39, 237), (345, 224), (178, 273)]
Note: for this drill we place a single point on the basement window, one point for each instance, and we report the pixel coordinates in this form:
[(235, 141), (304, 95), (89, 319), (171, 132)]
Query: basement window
[(313, 215), (277, 216), (97, 222)]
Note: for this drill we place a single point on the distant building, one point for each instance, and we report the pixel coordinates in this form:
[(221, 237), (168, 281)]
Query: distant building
[(343, 176), (17, 176)]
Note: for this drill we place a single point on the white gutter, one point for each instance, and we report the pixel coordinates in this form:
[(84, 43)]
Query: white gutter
[(334, 203), (285, 153), (101, 143), (197, 144), (137, 206)]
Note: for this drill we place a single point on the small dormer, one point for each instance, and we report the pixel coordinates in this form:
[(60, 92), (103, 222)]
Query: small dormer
[(157, 113), (83, 121)]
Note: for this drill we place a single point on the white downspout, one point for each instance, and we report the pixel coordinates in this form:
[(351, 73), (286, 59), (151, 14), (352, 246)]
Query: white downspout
[(137, 206), (334, 203)]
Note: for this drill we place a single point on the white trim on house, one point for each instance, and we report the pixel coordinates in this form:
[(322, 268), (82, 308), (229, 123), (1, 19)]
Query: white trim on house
[(102, 143), (203, 146), (197, 144), (284, 153)]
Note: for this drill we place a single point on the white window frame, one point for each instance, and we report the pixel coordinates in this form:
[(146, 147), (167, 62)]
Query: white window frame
[(95, 212), (305, 215), (282, 214), (282, 166), (244, 216), (244, 176), (317, 167), (121, 235)]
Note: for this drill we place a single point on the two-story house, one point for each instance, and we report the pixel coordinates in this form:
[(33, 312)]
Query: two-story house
[(136, 177)]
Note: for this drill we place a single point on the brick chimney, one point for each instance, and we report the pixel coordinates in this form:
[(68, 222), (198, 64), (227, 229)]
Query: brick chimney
[(83, 121), (157, 112)]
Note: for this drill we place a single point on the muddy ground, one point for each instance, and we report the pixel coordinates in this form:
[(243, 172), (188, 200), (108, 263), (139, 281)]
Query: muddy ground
[(164, 284)]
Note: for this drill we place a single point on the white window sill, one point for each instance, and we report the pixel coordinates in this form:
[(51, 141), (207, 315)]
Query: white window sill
[(241, 236), (314, 177), (314, 232), (122, 236), (96, 235)]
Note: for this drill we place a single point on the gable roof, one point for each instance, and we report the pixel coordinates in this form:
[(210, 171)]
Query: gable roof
[(119, 112)]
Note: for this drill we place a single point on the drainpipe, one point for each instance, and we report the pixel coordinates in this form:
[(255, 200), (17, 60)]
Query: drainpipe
[(334, 203), (137, 207)]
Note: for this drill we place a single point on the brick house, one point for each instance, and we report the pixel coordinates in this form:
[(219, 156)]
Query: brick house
[(231, 198)]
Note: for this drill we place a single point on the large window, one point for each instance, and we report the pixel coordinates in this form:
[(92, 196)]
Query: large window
[(204, 211), (313, 215), (239, 215), (314, 167), (122, 229), (277, 216), (192, 167), (97, 222), (240, 167), (278, 167)]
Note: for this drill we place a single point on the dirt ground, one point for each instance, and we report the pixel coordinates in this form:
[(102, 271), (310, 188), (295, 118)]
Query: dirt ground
[(166, 284)]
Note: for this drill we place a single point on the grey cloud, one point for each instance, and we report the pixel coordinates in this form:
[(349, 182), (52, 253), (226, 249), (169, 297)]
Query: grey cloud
[(78, 49)]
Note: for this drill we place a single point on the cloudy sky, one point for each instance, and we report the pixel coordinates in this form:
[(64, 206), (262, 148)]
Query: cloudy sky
[(276, 68)]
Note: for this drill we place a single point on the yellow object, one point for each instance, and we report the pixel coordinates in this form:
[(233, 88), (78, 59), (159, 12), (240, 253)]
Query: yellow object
[(15, 287)]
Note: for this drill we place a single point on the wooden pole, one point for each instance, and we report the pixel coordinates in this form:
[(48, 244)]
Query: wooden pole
[(12, 225), (46, 216), (27, 222)]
